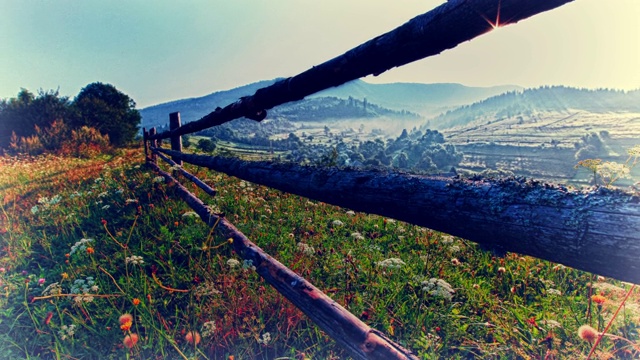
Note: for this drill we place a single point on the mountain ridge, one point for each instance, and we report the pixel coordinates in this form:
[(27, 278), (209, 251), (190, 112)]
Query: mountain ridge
[(426, 99)]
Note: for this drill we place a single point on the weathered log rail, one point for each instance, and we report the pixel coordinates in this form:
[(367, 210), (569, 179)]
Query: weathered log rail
[(597, 231)]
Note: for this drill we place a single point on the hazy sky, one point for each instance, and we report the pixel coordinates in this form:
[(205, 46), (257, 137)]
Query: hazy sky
[(157, 51)]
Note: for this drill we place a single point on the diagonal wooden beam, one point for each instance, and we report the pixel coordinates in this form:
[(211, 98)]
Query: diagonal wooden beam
[(442, 28)]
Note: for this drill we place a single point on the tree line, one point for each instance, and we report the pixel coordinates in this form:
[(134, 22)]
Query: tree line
[(99, 117)]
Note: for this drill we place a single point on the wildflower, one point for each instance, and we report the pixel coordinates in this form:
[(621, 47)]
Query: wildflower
[(66, 331), (130, 340), (455, 262), (447, 239), (41, 281), (208, 328), (586, 332), (158, 179), (64, 275), (233, 263), (126, 320), (306, 249), (134, 260), (2, 270), (337, 223), (454, 248), (136, 301), (90, 250), (351, 213), (248, 265), (501, 269), (551, 324), (438, 287), (190, 214), (598, 299), (554, 292), (80, 245), (266, 337), (103, 194), (97, 180), (389, 221), (34, 209), (392, 263), (192, 337), (357, 236), (130, 201)]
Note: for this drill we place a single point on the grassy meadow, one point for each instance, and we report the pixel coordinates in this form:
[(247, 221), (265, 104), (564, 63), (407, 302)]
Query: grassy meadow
[(98, 259)]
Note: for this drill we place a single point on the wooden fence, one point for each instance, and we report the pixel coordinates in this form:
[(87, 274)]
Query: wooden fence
[(597, 231)]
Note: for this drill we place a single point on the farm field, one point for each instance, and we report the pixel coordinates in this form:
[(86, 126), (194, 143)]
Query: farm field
[(99, 260)]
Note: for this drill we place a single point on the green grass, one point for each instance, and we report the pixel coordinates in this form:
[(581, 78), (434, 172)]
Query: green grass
[(498, 307)]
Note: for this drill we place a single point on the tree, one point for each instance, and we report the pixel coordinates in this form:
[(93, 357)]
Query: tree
[(206, 145), (105, 108)]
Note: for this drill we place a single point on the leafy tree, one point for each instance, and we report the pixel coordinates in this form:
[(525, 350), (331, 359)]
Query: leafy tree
[(105, 108), (206, 145)]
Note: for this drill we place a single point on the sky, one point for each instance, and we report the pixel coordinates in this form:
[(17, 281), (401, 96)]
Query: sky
[(163, 50)]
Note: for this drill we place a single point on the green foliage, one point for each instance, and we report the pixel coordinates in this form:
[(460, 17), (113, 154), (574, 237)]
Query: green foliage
[(105, 108), (26, 112), (206, 145)]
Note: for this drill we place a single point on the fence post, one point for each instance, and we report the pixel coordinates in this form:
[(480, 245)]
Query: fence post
[(154, 143), (176, 141), (144, 143)]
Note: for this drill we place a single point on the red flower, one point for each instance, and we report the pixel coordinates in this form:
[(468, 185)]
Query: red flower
[(104, 222)]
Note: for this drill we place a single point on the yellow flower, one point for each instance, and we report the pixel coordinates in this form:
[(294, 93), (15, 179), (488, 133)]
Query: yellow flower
[(64, 275), (598, 299)]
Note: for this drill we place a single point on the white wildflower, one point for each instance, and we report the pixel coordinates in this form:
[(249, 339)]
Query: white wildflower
[(233, 263), (103, 194), (357, 236), (306, 249), (190, 214), (438, 287), (391, 221), (266, 337), (634, 151), (447, 239), (134, 260), (206, 288), (554, 292), (248, 265), (158, 179), (337, 223), (98, 180), (43, 200), (208, 329), (131, 201), (66, 332), (551, 324), (351, 213), (391, 263), (454, 248)]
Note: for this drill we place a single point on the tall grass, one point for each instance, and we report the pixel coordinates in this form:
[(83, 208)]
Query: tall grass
[(86, 242)]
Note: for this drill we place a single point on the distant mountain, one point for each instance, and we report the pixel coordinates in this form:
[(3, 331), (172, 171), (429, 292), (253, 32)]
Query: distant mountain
[(530, 102), (425, 99)]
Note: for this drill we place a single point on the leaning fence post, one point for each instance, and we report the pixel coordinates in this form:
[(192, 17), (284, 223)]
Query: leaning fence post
[(154, 143), (176, 141)]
